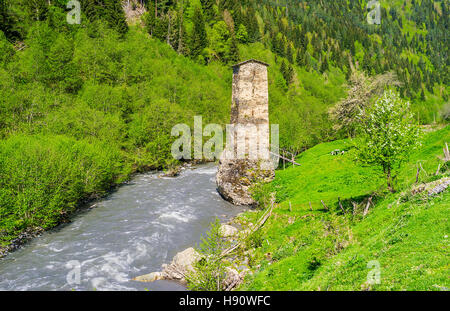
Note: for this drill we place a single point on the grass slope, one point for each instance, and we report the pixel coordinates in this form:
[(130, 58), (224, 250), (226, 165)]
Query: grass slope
[(317, 249)]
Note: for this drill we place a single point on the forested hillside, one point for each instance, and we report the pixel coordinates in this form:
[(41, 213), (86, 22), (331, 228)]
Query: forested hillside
[(82, 106)]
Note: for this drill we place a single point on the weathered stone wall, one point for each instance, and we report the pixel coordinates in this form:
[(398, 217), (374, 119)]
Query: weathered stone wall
[(246, 156)]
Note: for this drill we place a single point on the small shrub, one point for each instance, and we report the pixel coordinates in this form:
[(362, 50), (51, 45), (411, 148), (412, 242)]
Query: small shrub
[(209, 271), (255, 239), (283, 252)]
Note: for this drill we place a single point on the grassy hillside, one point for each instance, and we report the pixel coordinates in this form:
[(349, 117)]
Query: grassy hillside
[(320, 249)]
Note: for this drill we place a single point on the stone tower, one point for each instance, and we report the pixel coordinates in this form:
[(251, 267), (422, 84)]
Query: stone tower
[(246, 157)]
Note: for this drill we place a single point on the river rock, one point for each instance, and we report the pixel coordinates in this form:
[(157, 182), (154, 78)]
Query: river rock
[(181, 264), (228, 231), (151, 277), (173, 172), (233, 278)]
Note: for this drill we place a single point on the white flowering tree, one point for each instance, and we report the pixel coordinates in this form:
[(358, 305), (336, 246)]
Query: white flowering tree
[(387, 134)]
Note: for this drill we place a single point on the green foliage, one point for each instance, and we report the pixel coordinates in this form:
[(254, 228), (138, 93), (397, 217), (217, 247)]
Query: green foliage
[(388, 134), (252, 25), (43, 178), (242, 34), (76, 86), (106, 10), (6, 50), (254, 240), (7, 23), (209, 271), (208, 8), (220, 40)]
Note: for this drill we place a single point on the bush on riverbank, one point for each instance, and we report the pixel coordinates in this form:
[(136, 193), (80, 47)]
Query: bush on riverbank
[(43, 178)]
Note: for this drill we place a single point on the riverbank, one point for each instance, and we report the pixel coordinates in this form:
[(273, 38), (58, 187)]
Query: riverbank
[(12, 239), (132, 231)]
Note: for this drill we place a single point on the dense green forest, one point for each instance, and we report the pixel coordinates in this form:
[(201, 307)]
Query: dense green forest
[(82, 106)]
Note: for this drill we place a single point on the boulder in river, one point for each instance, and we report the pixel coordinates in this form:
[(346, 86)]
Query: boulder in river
[(151, 277), (181, 264)]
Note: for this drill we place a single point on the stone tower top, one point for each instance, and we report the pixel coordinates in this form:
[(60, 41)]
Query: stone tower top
[(250, 61)]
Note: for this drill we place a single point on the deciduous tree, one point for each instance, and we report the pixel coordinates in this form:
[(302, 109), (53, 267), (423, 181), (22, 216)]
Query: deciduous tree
[(388, 134)]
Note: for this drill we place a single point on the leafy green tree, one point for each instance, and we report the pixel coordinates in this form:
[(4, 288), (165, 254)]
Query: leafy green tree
[(242, 34), (388, 134), (361, 93), (62, 71), (219, 40)]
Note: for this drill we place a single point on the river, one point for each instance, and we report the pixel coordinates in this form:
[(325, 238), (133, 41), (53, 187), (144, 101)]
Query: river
[(131, 232)]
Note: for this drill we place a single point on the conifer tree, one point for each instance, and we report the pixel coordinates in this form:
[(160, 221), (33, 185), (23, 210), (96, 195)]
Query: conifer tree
[(6, 22), (234, 50), (38, 9), (199, 39), (299, 59), (208, 9), (287, 71), (324, 66), (115, 16), (422, 95), (289, 55), (289, 74), (254, 34), (150, 19), (160, 29), (182, 35), (226, 5)]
